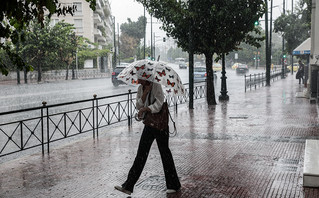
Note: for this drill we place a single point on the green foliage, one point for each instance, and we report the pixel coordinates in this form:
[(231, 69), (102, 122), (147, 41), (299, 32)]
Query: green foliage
[(15, 17), (134, 29), (295, 27), (132, 33), (51, 48), (216, 26)]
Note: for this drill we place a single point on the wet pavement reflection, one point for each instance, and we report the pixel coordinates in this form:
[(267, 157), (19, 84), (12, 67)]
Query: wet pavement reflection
[(251, 146)]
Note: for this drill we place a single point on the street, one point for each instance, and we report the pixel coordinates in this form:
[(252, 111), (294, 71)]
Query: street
[(16, 97)]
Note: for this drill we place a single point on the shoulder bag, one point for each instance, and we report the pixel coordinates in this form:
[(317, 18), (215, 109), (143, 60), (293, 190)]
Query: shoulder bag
[(159, 120)]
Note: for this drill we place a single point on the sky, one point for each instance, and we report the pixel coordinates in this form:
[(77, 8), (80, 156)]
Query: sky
[(123, 9)]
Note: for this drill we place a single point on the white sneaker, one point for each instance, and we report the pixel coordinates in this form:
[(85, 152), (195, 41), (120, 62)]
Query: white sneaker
[(170, 191)]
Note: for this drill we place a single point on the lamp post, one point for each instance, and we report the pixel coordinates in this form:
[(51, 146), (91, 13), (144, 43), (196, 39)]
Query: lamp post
[(223, 90), (191, 59)]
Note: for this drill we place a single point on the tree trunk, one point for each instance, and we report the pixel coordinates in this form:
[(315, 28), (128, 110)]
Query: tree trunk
[(25, 75), (39, 72), (67, 73), (210, 79), (18, 76)]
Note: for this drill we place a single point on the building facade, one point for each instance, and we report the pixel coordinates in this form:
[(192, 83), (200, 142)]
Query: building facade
[(313, 89), (96, 25)]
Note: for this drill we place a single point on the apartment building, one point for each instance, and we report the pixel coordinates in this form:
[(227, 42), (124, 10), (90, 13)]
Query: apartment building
[(94, 25)]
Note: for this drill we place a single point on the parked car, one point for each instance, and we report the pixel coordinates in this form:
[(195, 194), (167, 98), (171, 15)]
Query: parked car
[(242, 69), (182, 65), (200, 74), (116, 72), (217, 67), (235, 65)]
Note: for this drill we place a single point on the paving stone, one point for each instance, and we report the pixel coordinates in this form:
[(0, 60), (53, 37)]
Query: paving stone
[(251, 146)]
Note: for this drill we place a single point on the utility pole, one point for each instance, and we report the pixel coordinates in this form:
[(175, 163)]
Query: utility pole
[(144, 32), (267, 47), (292, 57), (118, 42), (283, 48), (114, 34), (270, 34), (151, 38)]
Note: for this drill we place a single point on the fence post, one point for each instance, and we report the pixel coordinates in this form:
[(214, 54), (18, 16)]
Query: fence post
[(42, 131), (97, 115), (250, 81), (245, 82), (21, 130), (131, 103), (255, 81), (128, 108), (48, 132), (93, 120)]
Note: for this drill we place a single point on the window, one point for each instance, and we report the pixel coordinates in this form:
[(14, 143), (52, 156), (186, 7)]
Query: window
[(78, 6), (78, 24)]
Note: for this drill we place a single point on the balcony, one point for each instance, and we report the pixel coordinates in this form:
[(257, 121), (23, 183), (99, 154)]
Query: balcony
[(102, 41), (98, 20), (97, 33), (98, 6)]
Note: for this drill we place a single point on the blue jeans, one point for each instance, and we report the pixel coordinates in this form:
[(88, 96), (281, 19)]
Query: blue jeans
[(147, 138)]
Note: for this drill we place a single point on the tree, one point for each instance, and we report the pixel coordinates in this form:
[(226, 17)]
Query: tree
[(15, 17), (129, 45), (295, 27), (217, 26), (35, 47), (65, 43), (132, 33)]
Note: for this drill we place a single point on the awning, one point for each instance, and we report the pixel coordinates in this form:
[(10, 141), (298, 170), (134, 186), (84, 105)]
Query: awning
[(303, 48)]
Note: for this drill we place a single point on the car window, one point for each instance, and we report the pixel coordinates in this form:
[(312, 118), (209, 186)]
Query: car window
[(118, 69), (199, 69), (242, 65)]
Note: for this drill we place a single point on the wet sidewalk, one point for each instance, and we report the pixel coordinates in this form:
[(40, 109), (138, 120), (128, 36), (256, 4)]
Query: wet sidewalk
[(251, 146)]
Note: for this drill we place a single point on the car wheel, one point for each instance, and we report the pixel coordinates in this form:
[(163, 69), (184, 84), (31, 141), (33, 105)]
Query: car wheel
[(115, 84)]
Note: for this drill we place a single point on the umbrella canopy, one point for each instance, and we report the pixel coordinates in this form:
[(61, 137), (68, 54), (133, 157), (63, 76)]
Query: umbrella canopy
[(156, 72), (303, 48)]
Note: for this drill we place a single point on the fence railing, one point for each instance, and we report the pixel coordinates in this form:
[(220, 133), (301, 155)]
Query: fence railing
[(259, 79), (41, 126)]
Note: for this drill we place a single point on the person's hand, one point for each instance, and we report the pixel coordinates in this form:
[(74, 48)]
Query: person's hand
[(141, 112)]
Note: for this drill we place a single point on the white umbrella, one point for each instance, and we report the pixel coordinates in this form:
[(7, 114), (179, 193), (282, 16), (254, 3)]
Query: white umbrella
[(157, 72)]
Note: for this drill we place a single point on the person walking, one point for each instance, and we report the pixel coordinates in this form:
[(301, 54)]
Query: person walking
[(148, 91), (300, 72)]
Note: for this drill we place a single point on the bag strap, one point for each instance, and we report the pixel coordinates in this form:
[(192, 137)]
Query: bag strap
[(174, 133)]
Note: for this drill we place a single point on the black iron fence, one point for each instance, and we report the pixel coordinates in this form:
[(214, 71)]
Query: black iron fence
[(259, 79), (41, 126)]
